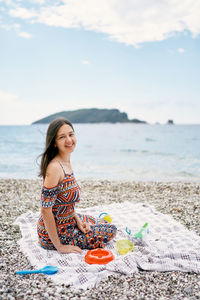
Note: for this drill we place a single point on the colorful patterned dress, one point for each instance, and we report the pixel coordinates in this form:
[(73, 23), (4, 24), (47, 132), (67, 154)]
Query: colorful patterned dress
[(62, 199)]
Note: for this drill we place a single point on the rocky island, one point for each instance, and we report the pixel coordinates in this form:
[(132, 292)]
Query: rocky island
[(91, 115)]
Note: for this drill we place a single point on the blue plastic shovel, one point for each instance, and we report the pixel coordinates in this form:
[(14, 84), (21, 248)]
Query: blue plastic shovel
[(49, 270)]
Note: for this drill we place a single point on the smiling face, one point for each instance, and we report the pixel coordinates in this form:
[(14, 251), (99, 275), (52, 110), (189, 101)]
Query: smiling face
[(65, 139)]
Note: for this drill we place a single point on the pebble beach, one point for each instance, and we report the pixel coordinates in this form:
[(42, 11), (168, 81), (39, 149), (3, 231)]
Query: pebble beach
[(179, 199)]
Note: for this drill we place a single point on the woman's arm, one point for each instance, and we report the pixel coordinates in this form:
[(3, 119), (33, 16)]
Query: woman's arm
[(50, 226)]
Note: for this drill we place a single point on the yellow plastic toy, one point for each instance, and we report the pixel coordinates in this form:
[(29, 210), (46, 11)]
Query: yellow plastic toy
[(107, 217), (124, 246)]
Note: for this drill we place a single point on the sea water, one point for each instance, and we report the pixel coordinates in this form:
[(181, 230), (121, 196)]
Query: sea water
[(109, 151)]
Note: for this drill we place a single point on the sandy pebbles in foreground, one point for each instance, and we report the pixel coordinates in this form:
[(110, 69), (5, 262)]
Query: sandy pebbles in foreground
[(181, 200)]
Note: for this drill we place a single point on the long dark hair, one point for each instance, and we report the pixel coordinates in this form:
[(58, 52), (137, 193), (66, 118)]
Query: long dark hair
[(50, 150)]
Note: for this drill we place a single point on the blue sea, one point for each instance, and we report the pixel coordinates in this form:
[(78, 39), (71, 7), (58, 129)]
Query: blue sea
[(109, 151)]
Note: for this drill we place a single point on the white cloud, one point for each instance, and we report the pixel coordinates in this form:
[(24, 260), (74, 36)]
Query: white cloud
[(25, 35), (22, 13), (174, 51), (180, 50), (5, 26), (17, 28), (131, 22), (85, 62), (2, 9), (38, 1)]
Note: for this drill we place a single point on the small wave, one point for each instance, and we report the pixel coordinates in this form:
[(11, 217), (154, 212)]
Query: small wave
[(185, 174), (147, 152), (150, 140), (129, 150)]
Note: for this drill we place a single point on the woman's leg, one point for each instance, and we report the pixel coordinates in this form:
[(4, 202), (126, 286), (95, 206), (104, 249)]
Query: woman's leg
[(101, 233)]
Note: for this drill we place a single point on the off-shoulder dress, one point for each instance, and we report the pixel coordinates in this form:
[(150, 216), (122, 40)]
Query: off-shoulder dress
[(62, 199)]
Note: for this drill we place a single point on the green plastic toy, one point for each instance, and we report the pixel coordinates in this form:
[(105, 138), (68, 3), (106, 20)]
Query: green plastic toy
[(138, 235)]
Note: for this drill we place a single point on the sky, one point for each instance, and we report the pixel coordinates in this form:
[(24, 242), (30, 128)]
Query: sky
[(141, 57)]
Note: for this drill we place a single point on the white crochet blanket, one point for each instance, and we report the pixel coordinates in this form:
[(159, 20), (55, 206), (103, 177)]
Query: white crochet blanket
[(169, 246)]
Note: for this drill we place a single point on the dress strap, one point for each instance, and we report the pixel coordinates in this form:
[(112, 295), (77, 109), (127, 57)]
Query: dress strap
[(61, 166)]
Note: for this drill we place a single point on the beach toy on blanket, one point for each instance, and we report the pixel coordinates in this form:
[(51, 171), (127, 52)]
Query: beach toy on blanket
[(106, 217), (139, 234), (49, 270), (99, 256), (124, 246)]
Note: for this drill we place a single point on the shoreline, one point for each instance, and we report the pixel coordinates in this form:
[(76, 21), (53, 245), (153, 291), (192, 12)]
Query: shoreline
[(179, 199), (131, 180)]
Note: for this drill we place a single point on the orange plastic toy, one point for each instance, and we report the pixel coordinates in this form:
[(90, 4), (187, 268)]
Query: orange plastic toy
[(99, 256)]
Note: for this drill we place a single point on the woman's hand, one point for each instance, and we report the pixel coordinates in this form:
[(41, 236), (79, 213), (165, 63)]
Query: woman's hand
[(69, 249), (84, 226)]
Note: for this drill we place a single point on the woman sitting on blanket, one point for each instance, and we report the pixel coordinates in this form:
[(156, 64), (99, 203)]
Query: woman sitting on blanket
[(59, 227)]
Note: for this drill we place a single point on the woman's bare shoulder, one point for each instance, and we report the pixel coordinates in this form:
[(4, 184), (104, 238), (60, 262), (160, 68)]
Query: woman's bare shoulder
[(53, 174)]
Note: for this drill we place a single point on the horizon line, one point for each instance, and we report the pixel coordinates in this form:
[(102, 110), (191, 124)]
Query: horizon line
[(155, 123)]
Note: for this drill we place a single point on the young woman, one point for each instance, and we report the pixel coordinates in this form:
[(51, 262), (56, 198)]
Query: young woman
[(59, 226)]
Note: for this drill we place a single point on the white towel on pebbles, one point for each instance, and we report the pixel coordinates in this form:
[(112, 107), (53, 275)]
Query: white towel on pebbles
[(169, 246)]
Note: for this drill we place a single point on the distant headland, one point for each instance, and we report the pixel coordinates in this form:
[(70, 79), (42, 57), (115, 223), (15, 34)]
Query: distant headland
[(91, 115)]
